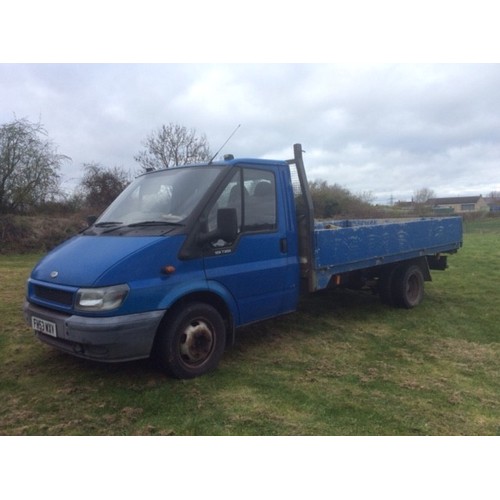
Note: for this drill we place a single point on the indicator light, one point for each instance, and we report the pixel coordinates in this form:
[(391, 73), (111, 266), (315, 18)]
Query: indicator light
[(168, 269)]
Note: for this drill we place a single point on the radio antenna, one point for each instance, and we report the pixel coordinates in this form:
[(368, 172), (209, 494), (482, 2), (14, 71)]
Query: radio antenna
[(227, 140)]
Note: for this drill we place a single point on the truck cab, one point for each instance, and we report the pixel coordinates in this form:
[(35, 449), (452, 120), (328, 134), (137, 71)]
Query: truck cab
[(206, 248)]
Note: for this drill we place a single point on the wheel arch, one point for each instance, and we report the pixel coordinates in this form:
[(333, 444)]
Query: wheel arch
[(424, 267), (418, 261), (207, 297)]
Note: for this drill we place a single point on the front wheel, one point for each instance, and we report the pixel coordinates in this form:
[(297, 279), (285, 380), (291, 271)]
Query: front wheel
[(191, 342)]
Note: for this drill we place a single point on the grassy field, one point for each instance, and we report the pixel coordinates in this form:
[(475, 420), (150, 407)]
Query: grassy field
[(344, 364)]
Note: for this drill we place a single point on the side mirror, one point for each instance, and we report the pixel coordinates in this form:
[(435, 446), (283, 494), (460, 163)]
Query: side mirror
[(227, 227), (227, 224)]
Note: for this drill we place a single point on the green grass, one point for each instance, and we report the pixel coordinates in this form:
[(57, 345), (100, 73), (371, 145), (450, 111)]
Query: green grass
[(344, 364)]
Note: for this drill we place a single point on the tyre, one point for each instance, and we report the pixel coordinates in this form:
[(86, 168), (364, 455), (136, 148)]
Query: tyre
[(385, 286), (191, 342), (407, 286)]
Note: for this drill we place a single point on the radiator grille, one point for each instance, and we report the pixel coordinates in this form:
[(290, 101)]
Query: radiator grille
[(54, 295)]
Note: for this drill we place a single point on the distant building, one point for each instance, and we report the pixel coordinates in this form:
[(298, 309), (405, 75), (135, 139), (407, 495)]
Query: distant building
[(405, 206), (493, 203), (458, 204)]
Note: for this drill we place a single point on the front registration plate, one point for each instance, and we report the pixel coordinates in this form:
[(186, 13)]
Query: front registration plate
[(42, 326)]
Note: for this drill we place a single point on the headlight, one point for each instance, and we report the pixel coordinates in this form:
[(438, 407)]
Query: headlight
[(101, 299)]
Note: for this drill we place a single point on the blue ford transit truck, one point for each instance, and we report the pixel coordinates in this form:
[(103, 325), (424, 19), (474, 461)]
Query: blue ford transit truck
[(186, 255)]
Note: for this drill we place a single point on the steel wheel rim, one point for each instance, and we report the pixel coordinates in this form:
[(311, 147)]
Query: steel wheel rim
[(413, 288), (196, 342)]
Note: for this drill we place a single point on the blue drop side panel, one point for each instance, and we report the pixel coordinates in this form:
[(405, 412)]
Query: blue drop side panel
[(349, 245)]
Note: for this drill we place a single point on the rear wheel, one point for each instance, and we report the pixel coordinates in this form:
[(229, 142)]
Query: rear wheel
[(191, 342), (385, 286), (408, 286)]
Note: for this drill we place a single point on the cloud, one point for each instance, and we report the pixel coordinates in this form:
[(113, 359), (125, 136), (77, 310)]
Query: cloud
[(388, 129)]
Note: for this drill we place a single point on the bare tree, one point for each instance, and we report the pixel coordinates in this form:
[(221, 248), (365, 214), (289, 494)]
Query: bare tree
[(29, 166), (421, 196), (172, 145), (100, 185)]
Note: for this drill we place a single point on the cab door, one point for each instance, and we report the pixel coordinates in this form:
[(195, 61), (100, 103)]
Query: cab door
[(256, 268)]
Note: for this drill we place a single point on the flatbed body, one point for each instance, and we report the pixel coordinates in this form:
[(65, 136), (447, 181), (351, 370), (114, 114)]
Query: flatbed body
[(343, 246)]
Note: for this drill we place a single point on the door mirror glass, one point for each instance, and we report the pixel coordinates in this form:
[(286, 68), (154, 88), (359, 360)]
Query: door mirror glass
[(226, 229), (227, 224)]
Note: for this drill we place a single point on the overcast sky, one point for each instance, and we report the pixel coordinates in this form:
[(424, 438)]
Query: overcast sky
[(381, 128), (390, 129)]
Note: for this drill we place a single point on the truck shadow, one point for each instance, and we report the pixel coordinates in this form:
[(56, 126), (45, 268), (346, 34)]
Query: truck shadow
[(75, 366), (313, 316), (316, 313)]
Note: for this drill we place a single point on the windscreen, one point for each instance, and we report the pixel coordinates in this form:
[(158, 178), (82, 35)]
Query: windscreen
[(165, 196)]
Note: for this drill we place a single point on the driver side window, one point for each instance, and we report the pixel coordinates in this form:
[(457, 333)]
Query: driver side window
[(259, 200), (252, 192), (229, 198)]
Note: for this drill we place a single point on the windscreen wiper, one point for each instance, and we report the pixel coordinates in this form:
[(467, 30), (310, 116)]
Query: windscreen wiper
[(146, 223), (112, 226), (107, 224)]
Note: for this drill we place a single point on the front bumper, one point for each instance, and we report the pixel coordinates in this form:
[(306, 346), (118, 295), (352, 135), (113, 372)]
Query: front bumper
[(110, 339)]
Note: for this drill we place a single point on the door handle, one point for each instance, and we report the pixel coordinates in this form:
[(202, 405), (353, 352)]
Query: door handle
[(283, 245)]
